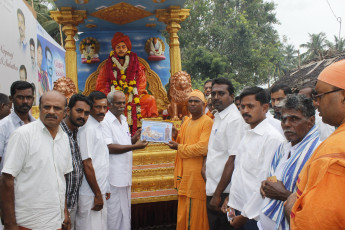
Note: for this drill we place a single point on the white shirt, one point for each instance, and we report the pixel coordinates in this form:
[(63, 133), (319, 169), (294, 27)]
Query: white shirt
[(7, 126), (120, 165), (38, 164), (227, 131), (275, 123), (92, 145), (324, 129), (252, 165)]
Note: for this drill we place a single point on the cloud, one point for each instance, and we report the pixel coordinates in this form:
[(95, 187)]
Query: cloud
[(160, 67)]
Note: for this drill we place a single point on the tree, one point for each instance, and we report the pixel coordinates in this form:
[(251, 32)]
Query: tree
[(315, 47), (338, 45)]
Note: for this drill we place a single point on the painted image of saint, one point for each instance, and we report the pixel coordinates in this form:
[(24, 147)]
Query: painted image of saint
[(23, 75), (43, 82), (21, 27), (167, 133), (32, 53), (49, 63)]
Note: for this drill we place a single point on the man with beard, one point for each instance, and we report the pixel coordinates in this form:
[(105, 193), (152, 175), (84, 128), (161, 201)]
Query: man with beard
[(255, 153), (319, 200), (37, 158), (120, 144), (22, 97), (302, 139), (77, 113), (92, 208), (191, 145), (227, 132)]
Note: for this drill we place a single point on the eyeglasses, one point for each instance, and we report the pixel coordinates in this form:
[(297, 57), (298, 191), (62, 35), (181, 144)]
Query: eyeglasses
[(315, 97)]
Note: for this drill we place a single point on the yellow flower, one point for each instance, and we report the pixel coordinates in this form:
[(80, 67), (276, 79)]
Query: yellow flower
[(130, 89), (118, 88), (82, 46), (114, 65), (115, 82), (128, 51), (88, 61), (132, 82), (121, 82), (112, 53), (122, 71), (136, 100), (139, 115), (123, 77), (129, 107)]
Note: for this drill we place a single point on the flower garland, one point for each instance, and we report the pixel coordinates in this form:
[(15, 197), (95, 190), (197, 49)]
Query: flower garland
[(128, 85)]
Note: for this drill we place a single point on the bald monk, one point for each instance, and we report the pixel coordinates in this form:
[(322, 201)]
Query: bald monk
[(191, 145), (123, 71), (319, 201)]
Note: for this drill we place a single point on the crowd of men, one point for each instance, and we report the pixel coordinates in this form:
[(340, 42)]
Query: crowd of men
[(237, 165)]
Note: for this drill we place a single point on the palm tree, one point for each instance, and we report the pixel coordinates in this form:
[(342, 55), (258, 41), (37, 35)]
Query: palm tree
[(315, 47), (339, 44)]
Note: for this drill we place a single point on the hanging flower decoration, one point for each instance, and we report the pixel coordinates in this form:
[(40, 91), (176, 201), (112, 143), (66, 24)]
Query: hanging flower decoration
[(128, 85)]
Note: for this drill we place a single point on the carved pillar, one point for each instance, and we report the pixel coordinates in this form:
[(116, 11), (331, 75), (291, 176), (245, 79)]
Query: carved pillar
[(70, 19), (172, 18)]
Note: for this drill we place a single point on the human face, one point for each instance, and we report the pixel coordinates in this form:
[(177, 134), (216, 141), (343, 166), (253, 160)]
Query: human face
[(22, 75), (195, 106), (331, 105), (22, 100), (221, 98), (121, 49), (49, 64), (5, 109), (52, 110), (39, 56), (238, 104), (79, 114), (295, 125), (118, 105), (253, 112), (32, 54), (276, 98), (207, 88), (21, 26), (99, 109)]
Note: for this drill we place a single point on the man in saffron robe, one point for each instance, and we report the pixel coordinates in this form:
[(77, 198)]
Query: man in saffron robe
[(122, 71), (319, 201), (191, 146)]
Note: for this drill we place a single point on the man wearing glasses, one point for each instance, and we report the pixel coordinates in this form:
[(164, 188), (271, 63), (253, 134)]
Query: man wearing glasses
[(22, 97), (319, 200)]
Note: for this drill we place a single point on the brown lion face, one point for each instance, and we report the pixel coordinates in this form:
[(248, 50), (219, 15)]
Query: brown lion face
[(183, 82)]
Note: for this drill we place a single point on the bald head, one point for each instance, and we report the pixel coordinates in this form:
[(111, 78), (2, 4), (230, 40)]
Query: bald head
[(52, 108)]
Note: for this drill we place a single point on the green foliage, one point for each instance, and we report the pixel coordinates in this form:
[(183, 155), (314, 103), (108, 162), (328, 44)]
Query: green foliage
[(315, 46)]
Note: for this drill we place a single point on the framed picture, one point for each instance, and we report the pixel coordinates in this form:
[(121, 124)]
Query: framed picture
[(156, 131)]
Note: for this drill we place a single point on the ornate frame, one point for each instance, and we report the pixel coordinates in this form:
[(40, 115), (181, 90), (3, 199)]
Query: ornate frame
[(154, 84)]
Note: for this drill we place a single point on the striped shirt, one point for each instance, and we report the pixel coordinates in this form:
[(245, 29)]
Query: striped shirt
[(74, 178)]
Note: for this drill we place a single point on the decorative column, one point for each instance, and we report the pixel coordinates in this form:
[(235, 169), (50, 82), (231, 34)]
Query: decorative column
[(172, 18), (70, 19)]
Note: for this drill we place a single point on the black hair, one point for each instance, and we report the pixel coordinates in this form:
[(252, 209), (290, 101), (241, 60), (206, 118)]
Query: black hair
[(300, 103), (22, 67), (39, 44), (96, 95), (19, 11), (237, 98), (4, 99), (285, 88), (260, 94), (21, 85), (47, 50), (224, 81), (207, 81), (78, 97), (32, 42)]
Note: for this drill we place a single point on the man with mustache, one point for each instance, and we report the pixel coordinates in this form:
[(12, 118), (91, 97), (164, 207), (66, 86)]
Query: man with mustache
[(227, 131), (37, 159), (255, 152), (191, 145), (120, 145), (92, 205), (319, 200), (77, 114), (22, 97), (298, 122), (278, 93)]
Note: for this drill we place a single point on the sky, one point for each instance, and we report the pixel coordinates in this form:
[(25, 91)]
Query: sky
[(299, 17)]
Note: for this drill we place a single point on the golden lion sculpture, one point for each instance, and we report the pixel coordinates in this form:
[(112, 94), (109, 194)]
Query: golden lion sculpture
[(65, 86), (180, 88)]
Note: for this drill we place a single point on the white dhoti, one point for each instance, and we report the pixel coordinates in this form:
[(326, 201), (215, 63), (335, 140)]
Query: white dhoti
[(72, 214), (119, 208), (87, 219)]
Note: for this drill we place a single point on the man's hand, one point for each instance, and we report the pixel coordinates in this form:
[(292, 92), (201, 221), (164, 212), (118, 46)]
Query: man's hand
[(66, 224), (107, 196), (225, 205), (238, 221), (136, 136), (215, 203), (141, 144), (173, 145), (98, 203), (274, 190), (289, 203), (174, 133), (11, 227)]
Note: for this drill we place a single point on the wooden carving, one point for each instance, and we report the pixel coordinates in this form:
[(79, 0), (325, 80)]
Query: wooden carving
[(180, 88)]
